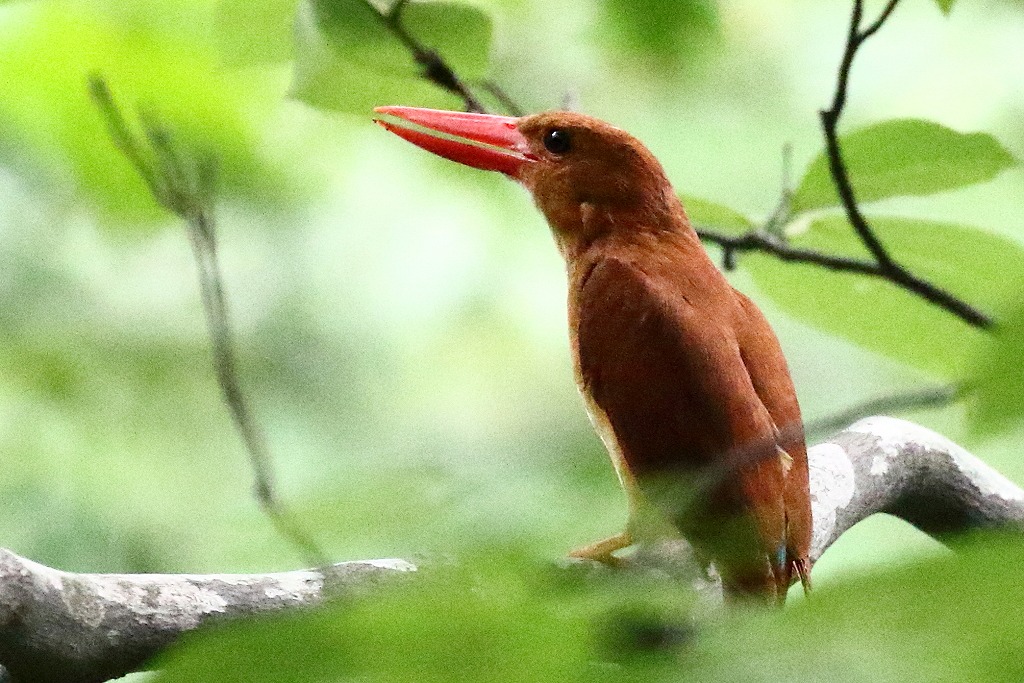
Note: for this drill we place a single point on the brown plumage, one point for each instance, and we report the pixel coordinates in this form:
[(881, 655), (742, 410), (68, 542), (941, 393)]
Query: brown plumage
[(681, 374)]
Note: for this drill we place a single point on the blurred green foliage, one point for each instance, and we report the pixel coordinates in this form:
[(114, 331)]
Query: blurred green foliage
[(400, 321), (50, 124), (498, 618), (495, 617), (944, 619), (251, 33)]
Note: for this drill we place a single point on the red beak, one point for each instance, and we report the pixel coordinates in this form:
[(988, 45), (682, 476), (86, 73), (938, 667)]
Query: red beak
[(506, 150)]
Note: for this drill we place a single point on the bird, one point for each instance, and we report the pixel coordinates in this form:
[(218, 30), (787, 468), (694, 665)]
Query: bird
[(682, 376)]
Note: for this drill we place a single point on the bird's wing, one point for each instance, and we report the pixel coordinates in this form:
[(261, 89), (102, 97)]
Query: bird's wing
[(770, 376), (670, 379)]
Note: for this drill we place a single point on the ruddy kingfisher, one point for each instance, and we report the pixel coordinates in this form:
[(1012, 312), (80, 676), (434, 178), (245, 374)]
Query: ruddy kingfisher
[(682, 376)]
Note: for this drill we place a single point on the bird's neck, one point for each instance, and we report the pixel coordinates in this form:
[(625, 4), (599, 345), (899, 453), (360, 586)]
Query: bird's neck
[(668, 251), (598, 227)]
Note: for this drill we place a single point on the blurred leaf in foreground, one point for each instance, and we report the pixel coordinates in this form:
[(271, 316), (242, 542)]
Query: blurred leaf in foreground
[(499, 618), (904, 157), (493, 617), (954, 618)]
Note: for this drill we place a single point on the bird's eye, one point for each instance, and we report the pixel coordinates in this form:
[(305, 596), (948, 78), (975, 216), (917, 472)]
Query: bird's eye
[(557, 141)]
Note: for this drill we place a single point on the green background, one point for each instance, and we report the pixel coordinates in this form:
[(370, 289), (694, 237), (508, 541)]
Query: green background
[(400, 320)]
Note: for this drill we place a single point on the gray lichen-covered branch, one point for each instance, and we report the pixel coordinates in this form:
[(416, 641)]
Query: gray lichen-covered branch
[(62, 627), (882, 464), (77, 628)]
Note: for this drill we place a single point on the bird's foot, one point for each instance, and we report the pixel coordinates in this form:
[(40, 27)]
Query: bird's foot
[(602, 551)]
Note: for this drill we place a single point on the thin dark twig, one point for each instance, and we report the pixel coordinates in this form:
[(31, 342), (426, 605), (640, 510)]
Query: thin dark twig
[(183, 184), (503, 97), (830, 121), (435, 68), (938, 296), (846, 63), (204, 248), (884, 266), (870, 30), (768, 243), (122, 136), (888, 267), (761, 241), (931, 397)]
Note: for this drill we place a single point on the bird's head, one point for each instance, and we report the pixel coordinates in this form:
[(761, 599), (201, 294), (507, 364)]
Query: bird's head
[(574, 165)]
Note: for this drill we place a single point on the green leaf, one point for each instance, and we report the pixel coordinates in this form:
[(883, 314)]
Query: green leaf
[(324, 78), (356, 32), (980, 268), (348, 60), (904, 157), (999, 377), (945, 5), (460, 33), (255, 32), (714, 216), (943, 619)]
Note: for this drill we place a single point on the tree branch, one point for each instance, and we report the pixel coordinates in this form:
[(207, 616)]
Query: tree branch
[(767, 243), (81, 628), (766, 240), (888, 267), (59, 627), (883, 464)]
